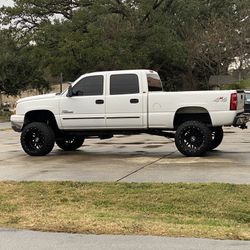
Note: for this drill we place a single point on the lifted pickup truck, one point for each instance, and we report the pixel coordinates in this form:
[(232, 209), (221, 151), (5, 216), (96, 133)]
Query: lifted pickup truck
[(103, 104)]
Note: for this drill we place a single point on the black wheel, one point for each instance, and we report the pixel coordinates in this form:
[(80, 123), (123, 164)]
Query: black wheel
[(70, 143), (37, 139), (193, 138), (217, 137)]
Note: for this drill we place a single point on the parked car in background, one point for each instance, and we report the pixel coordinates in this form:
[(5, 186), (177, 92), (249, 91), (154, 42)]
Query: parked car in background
[(247, 102)]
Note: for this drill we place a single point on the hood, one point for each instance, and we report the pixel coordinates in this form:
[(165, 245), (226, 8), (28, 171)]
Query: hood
[(37, 97)]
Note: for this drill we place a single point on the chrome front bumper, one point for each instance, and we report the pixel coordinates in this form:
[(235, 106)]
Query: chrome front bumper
[(17, 122)]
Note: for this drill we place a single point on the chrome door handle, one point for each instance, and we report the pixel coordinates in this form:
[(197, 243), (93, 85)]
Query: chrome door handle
[(134, 100), (67, 111), (99, 101)]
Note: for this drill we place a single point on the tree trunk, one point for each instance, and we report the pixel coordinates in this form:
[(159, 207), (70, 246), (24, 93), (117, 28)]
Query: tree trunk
[(1, 100)]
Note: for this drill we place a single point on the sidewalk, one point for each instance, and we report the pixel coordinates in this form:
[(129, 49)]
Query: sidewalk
[(30, 240)]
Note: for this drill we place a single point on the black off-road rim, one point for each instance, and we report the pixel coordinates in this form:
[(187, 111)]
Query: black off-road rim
[(69, 140), (70, 143), (217, 137), (34, 139), (192, 138)]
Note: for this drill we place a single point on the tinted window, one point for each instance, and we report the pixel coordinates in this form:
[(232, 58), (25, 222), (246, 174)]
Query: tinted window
[(154, 82), (92, 85), (124, 84)]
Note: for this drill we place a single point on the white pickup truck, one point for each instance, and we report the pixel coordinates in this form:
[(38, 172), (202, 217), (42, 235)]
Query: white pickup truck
[(103, 104)]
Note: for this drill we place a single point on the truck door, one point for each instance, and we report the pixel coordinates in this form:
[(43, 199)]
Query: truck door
[(124, 101), (85, 109)]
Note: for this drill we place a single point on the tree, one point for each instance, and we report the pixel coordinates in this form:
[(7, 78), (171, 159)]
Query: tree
[(186, 41), (18, 67), (215, 34)]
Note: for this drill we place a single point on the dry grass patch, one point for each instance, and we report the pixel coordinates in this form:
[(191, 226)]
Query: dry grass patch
[(219, 211), (4, 118), (5, 129)]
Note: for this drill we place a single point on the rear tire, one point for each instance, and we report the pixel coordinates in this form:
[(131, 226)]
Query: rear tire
[(37, 139), (70, 143), (217, 137), (193, 138)]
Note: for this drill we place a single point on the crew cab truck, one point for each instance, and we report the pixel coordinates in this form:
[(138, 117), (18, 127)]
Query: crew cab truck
[(103, 104)]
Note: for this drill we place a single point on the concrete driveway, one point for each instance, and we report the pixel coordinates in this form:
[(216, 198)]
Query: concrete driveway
[(140, 158)]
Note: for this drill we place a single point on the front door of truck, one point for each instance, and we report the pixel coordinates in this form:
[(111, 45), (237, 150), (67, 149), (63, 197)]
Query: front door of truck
[(124, 101), (85, 109)]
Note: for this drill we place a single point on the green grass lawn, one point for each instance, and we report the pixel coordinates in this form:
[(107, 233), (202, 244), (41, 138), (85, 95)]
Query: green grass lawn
[(220, 211)]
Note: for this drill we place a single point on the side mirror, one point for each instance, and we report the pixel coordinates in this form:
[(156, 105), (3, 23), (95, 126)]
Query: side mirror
[(70, 91)]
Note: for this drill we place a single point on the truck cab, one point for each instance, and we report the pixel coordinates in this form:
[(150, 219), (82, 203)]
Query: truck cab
[(115, 99)]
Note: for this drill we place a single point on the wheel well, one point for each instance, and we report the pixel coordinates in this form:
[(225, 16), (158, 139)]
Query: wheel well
[(44, 116), (192, 114)]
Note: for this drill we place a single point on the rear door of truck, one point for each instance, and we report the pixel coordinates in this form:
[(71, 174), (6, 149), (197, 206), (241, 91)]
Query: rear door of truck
[(124, 100)]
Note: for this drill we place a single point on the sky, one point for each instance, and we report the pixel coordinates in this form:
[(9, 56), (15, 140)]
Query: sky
[(6, 2)]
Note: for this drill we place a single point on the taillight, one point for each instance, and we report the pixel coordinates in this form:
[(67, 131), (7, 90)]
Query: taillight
[(233, 103)]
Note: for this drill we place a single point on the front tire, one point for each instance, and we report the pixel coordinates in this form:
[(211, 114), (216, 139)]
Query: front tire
[(37, 139), (69, 143), (193, 138)]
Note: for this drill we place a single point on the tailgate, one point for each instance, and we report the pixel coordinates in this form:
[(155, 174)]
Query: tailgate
[(240, 99)]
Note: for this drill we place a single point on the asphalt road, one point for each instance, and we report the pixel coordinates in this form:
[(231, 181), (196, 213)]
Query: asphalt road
[(139, 158), (21, 240)]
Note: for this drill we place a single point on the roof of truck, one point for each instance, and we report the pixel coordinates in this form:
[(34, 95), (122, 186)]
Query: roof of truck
[(122, 71)]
